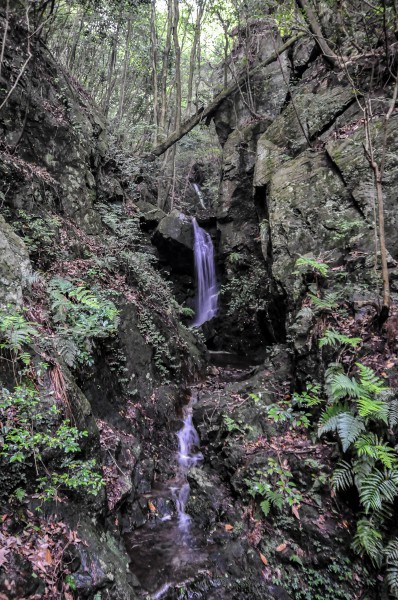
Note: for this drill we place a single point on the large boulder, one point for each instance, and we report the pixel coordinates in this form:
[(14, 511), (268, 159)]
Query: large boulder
[(174, 239)]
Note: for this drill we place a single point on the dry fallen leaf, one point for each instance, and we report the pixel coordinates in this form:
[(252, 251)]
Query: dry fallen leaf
[(228, 527), (48, 557), (295, 511), (281, 547), (263, 559), (3, 559), (151, 506)]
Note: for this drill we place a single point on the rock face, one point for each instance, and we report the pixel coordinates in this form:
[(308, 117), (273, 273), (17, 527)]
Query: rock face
[(15, 266), (295, 181), (174, 239)]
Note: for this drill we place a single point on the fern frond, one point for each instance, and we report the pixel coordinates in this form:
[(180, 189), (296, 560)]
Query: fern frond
[(341, 386), (370, 381), (329, 418), (369, 444), (67, 349), (331, 337), (328, 302), (373, 408), (342, 477), (368, 540), (376, 488), (393, 413), (391, 555), (349, 428)]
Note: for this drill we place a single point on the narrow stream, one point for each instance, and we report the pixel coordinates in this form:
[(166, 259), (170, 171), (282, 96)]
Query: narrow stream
[(188, 441)]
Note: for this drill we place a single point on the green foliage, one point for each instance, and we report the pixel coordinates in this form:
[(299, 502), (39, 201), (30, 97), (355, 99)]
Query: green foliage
[(274, 486), (80, 316), (391, 558), (30, 434), (232, 425), (360, 413), (328, 303), (15, 332), (309, 264), (368, 539), (39, 232), (333, 338)]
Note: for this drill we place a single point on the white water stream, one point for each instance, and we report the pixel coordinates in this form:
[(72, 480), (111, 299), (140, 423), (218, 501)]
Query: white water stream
[(187, 457), (207, 292)]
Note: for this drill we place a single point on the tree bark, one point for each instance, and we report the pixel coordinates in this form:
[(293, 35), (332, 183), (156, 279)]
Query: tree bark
[(317, 33), (125, 68), (206, 112)]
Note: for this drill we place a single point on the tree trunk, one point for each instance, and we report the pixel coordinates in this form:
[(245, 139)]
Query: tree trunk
[(317, 32), (165, 64), (125, 68), (192, 58), (154, 60)]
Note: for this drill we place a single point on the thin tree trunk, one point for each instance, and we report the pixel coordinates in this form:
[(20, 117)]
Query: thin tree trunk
[(165, 65), (206, 112), (177, 52), (125, 67), (192, 58), (111, 68), (317, 32), (154, 60)]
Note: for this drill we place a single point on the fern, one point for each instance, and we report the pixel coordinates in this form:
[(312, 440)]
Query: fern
[(393, 413), (338, 418), (349, 428), (68, 350), (391, 555), (369, 444), (333, 338), (15, 331), (341, 386), (328, 303), (342, 477), (368, 540), (86, 297), (376, 488), (370, 407), (311, 263), (370, 382)]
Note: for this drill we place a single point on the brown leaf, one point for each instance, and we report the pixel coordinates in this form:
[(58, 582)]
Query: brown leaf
[(151, 506), (263, 559), (295, 511), (281, 547), (3, 559), (48, 558), (228, 527)]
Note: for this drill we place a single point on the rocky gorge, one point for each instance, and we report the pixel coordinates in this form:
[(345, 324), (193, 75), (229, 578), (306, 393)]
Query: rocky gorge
[(97, 288)]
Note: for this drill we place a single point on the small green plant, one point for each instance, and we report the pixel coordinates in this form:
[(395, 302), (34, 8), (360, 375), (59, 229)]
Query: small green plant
[(328, 303), (80, 315), (30, 434), (331, 337), (275, 487), (232, 425), (15, 332), (361, 413), (307, 263)]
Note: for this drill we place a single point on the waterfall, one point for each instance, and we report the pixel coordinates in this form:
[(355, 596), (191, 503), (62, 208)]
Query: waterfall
[(187, 440), (207, 293), (199, 194)]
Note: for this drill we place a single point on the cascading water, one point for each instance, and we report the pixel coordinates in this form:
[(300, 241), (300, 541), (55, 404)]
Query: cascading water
[(207, 292), (188, 439)]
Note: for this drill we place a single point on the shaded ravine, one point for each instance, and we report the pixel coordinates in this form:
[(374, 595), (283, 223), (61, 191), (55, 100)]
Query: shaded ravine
[(174, 557)]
